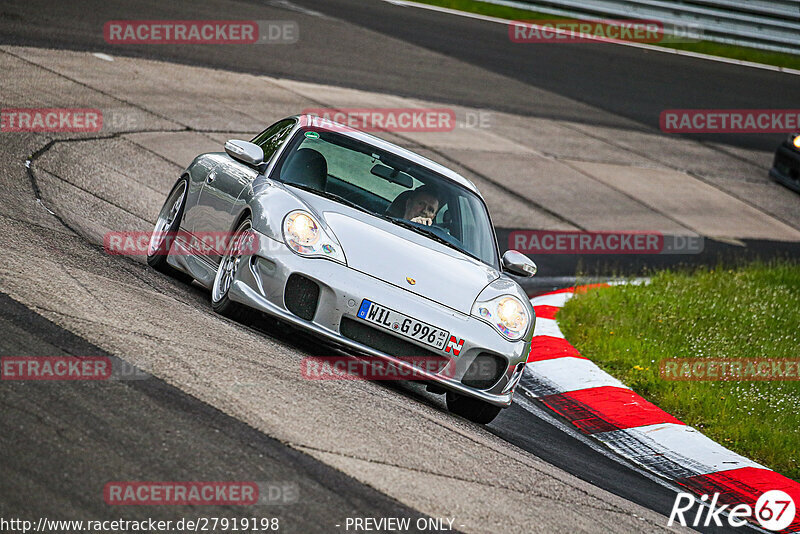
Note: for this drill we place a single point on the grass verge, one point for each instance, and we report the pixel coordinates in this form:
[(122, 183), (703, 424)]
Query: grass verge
[(742, 53), (749, 312)]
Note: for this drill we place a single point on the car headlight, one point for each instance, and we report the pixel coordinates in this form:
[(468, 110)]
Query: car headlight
[(306, 236), (795, 140), (506, 313)]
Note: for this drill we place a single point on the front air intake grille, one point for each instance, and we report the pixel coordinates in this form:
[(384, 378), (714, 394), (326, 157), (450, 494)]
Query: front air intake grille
[(484, 371), (392, 345), (301, 296)]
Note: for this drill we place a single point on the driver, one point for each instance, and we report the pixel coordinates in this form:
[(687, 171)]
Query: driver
[(422, 205)]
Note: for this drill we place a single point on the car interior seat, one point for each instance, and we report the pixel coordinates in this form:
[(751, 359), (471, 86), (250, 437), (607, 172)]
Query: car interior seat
[(306, 167), (398, 206)]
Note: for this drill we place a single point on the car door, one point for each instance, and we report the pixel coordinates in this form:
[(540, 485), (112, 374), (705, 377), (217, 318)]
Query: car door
[(222, 189)]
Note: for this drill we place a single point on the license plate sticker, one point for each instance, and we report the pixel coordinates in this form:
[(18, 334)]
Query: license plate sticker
[(403, 324)]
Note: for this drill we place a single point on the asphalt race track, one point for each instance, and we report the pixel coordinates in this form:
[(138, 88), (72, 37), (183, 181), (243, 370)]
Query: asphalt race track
[(224, 401), (625, 83), (91, 435)]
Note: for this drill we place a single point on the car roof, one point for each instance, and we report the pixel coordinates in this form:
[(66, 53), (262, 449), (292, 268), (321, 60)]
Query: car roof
[(349, 131)]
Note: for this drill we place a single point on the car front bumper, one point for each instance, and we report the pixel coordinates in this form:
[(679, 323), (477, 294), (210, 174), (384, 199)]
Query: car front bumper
[(261, 280)]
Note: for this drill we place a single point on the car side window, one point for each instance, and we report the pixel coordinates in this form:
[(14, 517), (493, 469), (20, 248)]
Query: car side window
[(271, 139)]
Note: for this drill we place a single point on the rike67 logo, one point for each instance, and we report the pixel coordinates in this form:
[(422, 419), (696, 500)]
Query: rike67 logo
[(774, 510)]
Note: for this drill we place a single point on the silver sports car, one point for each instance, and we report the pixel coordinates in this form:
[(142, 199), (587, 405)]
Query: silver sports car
[(378, 251)]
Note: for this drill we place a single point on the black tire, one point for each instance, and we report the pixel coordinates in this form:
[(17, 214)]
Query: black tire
[(475, 410), (220, 302), (168, 222)]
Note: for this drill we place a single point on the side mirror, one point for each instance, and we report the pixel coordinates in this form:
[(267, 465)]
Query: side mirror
[(248, 153), (518, 263)]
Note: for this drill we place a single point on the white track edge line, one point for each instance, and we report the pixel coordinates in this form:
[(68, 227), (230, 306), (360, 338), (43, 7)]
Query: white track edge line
[(695, 55)]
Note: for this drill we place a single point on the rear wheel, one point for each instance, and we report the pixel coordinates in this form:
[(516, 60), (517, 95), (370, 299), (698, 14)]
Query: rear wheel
[(230, 264), (475, 410), (167, 224)]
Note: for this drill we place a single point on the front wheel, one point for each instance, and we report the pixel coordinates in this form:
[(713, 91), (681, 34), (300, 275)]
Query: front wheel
[(230, 264), (475, 410), (167, 225)]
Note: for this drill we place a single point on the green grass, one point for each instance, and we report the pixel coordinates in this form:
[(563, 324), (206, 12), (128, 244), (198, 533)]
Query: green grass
[(778, 59), (748, 312)]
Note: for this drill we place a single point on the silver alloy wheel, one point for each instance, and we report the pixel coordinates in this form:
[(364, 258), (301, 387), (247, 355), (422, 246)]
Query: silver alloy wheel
[(229, 264), (166, 218)]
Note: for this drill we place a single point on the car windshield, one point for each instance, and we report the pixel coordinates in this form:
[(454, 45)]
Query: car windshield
[(388, 186)]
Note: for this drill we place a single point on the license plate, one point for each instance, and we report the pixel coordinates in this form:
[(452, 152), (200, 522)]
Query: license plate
[(403, 324)]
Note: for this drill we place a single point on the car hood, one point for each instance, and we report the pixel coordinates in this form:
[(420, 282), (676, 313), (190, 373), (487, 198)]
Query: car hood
[(404, 258), (430, 270)]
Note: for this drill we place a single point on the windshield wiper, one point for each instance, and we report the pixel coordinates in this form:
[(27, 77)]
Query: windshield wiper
[(428, 233)]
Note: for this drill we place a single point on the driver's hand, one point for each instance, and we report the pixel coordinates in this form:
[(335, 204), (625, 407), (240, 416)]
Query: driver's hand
[(423, 220)]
